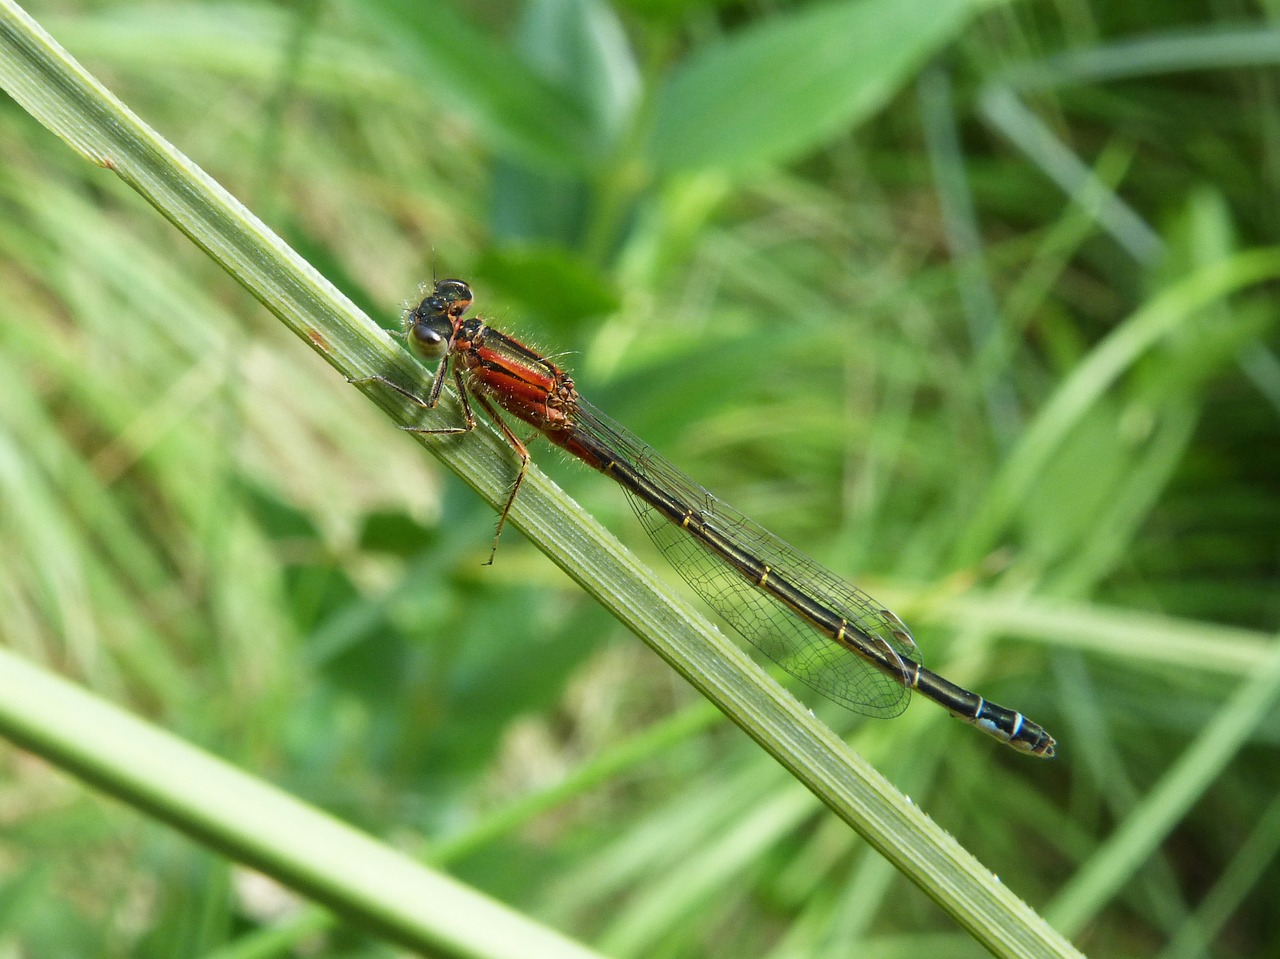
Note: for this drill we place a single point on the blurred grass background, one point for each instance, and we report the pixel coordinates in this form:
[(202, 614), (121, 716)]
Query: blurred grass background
[(878, 318)]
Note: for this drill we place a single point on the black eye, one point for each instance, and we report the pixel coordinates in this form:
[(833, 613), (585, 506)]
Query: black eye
[(429, 334)]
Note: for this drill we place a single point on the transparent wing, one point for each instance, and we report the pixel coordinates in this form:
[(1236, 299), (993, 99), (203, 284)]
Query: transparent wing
[(802, 649)]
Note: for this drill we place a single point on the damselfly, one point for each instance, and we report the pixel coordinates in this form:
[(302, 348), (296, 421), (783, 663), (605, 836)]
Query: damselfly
[(822, 630)]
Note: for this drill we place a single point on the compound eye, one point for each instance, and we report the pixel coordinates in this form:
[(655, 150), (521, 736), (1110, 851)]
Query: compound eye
[(429, 335)]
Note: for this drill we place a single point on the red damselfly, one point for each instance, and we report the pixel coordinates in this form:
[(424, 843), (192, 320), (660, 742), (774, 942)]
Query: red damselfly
[(824, 631)]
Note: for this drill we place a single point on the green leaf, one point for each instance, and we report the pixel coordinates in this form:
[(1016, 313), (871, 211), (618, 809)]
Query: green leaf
[(777, 90), (580, 46), (514, 107)]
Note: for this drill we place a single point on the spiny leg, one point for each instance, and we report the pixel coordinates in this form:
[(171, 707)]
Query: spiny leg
[(522, 451), (468, 418), (470, 424), (430, 403)]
